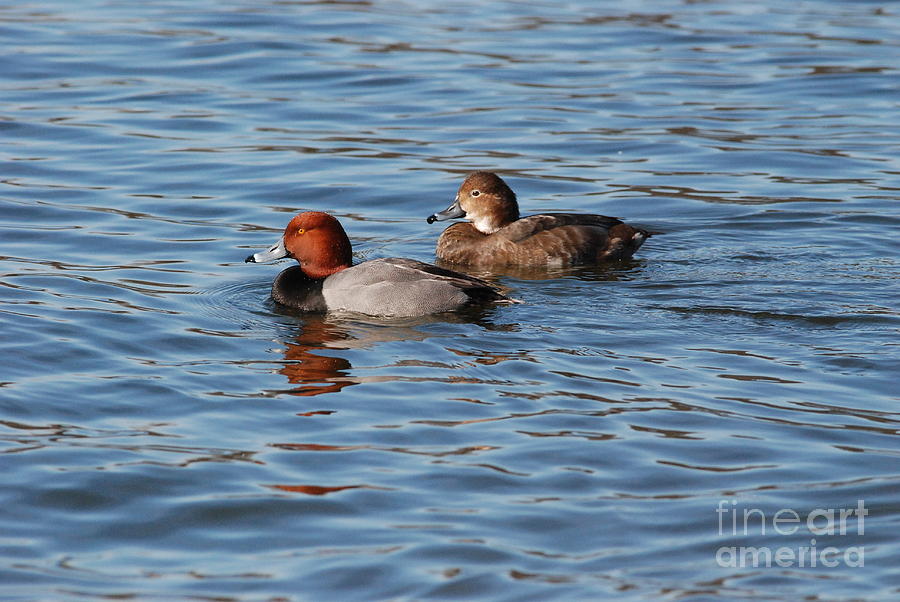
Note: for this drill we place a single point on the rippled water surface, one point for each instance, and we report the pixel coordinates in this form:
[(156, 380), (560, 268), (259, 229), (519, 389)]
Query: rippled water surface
[(170, 433)]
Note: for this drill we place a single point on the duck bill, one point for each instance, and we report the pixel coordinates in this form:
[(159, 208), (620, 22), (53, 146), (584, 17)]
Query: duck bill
[(276, 251), (452, 212)]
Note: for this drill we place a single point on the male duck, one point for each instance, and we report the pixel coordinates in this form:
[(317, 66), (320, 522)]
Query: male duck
[(326, 280), (497, 236)]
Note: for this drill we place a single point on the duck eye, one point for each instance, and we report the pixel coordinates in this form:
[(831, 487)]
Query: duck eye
[(475, 193), (301, 230)]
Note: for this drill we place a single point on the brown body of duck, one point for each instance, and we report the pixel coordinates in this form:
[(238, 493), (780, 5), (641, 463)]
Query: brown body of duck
[(497, 236)]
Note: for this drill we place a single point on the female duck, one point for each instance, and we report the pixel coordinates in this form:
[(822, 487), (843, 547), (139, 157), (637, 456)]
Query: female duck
[(497, 236), (326, 280)]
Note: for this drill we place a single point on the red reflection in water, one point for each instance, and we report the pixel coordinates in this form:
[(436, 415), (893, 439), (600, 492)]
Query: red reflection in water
[(316, 373), (314, 489)]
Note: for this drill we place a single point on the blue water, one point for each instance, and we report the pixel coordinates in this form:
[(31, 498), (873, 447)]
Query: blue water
[(169, 433)]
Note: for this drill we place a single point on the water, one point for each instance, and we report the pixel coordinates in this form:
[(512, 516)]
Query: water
[(169, 433)]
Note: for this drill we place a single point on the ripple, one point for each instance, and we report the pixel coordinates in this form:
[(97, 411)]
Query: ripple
[(169, 431)]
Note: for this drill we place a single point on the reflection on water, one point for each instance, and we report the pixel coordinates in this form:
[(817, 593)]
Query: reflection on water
[(313, 357), (168, 432), (313, 372), (611, 271)]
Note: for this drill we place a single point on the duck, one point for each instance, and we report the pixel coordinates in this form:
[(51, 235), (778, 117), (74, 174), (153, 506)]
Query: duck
[(495, 235), (325, 278)]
